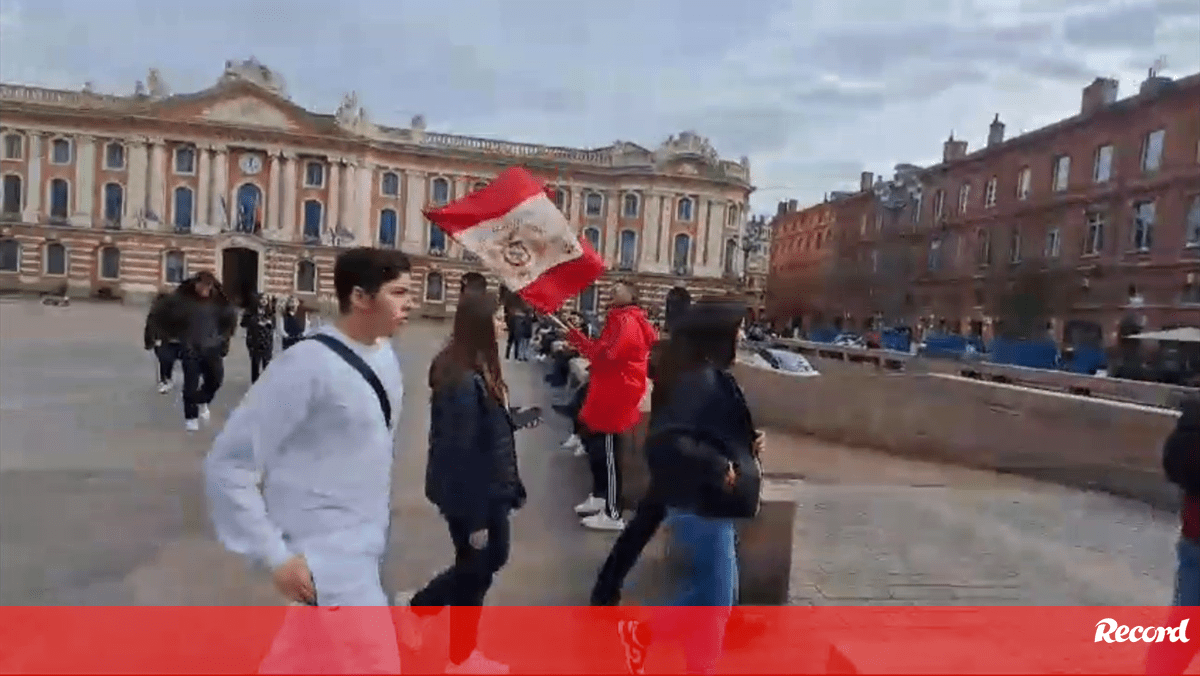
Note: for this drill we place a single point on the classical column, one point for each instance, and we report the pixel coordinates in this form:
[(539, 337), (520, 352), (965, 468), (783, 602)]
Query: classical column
[(334, 191), (612, 204), (415, 228), (576, 207), (222, 206), (715, 246), (290, 224), (649, 236), (33, 180), (203, 179), (135, 190), (462, 185), (85, 180), (666, 248), (158, 180), (362, 226), (348, 198), (273, 206)]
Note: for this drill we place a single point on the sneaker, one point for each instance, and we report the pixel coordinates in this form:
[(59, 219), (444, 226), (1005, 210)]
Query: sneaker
[(573, 443), (192, 425), (477, 663), (164, 387), (592, 505), (580, 451), (412, 626), (603, 521), (205, 414), (635, 647)]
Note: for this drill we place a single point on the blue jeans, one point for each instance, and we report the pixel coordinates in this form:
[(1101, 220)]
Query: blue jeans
[(1187, 574), (1170, 658), (709, 548)]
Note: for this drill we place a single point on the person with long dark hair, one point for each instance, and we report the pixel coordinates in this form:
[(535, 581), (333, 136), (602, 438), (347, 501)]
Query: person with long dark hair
[(258, 320), (294, 322), (471, 475), (167, 349)]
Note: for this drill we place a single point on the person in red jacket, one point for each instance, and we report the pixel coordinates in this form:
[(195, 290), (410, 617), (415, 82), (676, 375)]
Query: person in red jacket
[(616, 384)]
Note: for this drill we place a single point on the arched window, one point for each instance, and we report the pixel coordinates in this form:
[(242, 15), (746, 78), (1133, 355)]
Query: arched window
[(174, 267), (437, 240), (681, 257), (312, 220), (594, 204), (589, 299), (10, 255), (13, 194), (114, 203), (56, 259), (434, 287), (683, 209), (630, 205), (730, 256), (387, 227), (306, 276), (439, 190), (60, 198), (249, 208), (110, 263), (183, 208), (390, 184), (592, 235), (628, 253)]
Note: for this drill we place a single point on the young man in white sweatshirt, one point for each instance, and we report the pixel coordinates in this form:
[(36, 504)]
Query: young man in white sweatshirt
[(320, 438)]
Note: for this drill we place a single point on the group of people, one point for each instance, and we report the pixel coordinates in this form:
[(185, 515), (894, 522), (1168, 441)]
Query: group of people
[(194, 325)]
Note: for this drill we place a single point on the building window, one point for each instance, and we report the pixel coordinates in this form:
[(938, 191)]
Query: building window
[(730, 260), (185, 160), (1014, 251), (306, 276), (1102, 170), (630, 206), (1093, 243), (389, 184), (184, 207), (1143, 225), (60, 198), (989, 193), (249, 208), (14, 147), (10, 255), (593, 204), (939, 204), (592, 235), (434, 287), (589, 300), (1191, 294), (917, 203), (964, 198), (114, 156), (114, 204), (628, 250), (387, 227), (1024, 183), (1053, 243), (560, 199), (110, 263), (983, 255), (681, 257), (60, 151), (1193, 223), (683, 209), (313, 211), (14, 195), (314, 175), (733, 214), (440, 191), (935, 254), (1152, 150), (437, 241), (56, 259), (1062, 172), (174, 267)]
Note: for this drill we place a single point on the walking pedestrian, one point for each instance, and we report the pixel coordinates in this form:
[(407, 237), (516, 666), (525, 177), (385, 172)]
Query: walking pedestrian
[(294, 324), (167, 350), (259, 322)]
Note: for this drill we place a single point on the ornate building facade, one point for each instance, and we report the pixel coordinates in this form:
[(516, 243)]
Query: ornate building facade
[(127, 195)]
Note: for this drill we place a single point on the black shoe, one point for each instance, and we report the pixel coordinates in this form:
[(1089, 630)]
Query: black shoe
[(633, 640)]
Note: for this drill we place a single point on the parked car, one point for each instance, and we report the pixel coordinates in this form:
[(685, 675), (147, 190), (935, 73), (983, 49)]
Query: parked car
[(780, 360)]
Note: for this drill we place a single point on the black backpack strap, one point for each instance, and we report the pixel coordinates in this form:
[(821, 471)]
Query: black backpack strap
[(363, 369)]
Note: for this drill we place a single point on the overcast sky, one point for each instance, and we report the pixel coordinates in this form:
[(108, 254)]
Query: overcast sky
[(813, 91)]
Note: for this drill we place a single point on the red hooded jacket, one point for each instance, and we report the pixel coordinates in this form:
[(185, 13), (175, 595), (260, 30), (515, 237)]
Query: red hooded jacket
[(617, 371)]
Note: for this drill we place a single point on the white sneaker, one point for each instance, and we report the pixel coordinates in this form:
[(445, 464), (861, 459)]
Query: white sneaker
[(412, 627), (592, 505), (477, 663), (205, 414), (192, 425), (602, 521), (580, 451), (164, 387), (573, 443)]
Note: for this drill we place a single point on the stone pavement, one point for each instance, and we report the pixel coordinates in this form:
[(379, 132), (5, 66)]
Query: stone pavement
[(101, 499)]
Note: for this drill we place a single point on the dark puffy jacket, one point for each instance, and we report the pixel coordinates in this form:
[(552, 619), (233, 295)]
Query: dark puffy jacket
[(1181, 450), (170, 317), (472, 467)]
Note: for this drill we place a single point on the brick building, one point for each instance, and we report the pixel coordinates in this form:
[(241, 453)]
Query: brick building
[(128, 194), (1074, 227)]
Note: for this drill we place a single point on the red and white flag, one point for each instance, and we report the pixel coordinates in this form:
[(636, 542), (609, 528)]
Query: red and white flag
[(514, 228)]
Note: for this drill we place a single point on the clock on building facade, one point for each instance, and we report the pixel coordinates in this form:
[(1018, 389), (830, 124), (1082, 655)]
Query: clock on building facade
[(251, 163)]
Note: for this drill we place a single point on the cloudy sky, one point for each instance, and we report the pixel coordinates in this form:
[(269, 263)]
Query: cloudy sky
[(813, 91)]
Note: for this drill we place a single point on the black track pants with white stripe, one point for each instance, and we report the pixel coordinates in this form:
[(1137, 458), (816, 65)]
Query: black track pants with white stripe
[(604, 458)]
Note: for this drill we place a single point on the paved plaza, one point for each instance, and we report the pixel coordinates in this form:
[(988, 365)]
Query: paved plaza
[(101, 499)]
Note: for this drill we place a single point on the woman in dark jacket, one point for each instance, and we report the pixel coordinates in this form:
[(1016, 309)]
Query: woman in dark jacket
[(295, 322), (471, 474), (259, 322)]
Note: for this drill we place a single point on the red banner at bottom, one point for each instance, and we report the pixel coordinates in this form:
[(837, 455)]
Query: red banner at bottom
[(863, 640)]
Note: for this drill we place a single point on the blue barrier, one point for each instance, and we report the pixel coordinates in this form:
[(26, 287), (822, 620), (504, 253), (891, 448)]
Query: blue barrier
[(1039, 354), (1087, 361)]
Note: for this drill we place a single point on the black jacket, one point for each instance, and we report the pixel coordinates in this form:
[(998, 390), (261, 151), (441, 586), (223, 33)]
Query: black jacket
[(170, 317), (1181, 451), (472, 467)]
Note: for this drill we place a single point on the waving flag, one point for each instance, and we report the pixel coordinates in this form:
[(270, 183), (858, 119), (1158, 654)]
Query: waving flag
[(516, 231)]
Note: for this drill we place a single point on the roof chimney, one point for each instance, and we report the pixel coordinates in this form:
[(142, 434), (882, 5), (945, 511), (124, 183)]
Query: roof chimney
[(866, 180), (781, 208), (995, 131), (1102, 92), (1153, 84), (953, 150), (792, 205)]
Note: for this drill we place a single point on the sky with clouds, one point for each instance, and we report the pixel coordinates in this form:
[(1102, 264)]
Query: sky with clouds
[(813, 91)]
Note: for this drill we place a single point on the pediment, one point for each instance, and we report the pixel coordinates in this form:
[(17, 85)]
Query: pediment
[(248, 111)]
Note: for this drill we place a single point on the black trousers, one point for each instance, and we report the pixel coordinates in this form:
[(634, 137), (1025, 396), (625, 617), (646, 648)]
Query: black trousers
[(511, 348), (258, 362), (464, 584), (627, 550), (603, 451), (203, 373), (168, 354)]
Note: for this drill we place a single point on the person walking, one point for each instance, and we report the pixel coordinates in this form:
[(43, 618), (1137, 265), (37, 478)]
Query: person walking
[(471, 476), (294, 324), (259, 322), (616, 384), (167, 350)]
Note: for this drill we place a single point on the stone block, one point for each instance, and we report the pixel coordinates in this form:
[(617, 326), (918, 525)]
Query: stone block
[(765, 547)]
